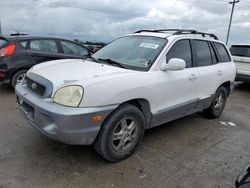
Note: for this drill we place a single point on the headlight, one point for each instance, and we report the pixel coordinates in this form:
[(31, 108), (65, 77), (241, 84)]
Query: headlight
[(69, 96)]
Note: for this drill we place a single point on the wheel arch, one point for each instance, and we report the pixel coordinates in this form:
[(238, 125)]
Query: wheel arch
[(227, 85), (17, 70), (142, 104)]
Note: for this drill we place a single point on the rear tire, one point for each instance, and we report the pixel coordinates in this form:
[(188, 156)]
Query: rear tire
[(121, 133), (18, 77), (218, 104)]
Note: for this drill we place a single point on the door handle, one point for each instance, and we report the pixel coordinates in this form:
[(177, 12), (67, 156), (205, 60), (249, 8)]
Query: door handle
[(193, 77), (219, 73)]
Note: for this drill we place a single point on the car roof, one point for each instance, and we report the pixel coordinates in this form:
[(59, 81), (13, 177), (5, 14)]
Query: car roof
[(170, 36), (28, 37), (241, 44), (153, 34)]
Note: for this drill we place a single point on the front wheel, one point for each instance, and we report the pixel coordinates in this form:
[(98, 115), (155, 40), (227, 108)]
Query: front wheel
[(218, 104), (121, 133)]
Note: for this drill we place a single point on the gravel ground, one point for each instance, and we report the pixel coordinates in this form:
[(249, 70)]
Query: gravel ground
[(192, 152)]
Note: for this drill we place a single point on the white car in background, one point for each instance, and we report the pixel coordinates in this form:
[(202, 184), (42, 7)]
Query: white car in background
[(136, 82), (241, 57)]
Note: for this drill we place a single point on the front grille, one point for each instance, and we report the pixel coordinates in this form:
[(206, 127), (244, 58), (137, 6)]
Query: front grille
[(35, 87)]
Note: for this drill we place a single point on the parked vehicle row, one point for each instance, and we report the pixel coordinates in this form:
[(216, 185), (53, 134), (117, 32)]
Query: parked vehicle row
[(241, 57), (19, 53), (137, 82)]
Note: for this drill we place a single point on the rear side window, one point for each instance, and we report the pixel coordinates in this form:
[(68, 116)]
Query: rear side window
[(70, 48), (204, 57), (24, 44), (243, 51), (44, 46), (182, 50), (3, 43), (224, 56)]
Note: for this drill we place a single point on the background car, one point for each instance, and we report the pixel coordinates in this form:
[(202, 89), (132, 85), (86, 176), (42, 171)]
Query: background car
[(18, 53), (241, 57)]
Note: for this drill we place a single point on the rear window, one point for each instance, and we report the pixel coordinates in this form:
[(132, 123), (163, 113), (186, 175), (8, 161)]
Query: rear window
[(24, 44), (243, 51), (224, 56), (44, 45), (3, 43)]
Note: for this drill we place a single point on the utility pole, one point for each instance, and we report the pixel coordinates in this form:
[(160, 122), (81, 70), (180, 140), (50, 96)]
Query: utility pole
[(231, 17), (1, 27)]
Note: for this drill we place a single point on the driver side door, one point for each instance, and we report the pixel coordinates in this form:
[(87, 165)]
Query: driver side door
[(178, 89)]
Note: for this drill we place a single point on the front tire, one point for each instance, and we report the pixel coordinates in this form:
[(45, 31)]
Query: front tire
[(218, 104), (121, 133)]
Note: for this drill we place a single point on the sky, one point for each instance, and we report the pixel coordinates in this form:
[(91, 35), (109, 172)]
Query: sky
[(105, 20)]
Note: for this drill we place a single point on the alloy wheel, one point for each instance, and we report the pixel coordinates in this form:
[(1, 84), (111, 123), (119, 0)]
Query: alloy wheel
[(124, 134), (20, 78), (219, 101)]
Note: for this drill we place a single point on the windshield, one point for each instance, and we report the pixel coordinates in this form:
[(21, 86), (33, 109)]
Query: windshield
[(243, 51), (133, 52)]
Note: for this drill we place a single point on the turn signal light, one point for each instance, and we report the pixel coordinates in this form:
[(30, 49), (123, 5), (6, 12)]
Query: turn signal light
[(97, 118), (7, 50)]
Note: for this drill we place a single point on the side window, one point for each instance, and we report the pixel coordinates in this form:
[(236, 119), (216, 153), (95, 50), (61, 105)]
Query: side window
[(214, 58), (44, 46), (70, 48), (224, 56), (24, 43), (203, 53), (182, 50)]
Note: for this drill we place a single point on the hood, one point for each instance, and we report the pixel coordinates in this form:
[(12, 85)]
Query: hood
[(61, 72)]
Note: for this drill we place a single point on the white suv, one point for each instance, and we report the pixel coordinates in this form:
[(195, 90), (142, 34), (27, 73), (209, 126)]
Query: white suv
[(241, 57), (137, 82)]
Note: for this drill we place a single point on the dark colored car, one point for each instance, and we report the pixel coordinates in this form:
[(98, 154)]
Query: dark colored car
[(19, 53)]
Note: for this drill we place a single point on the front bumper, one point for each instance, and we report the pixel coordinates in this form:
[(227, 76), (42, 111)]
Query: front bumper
[(65, 124)]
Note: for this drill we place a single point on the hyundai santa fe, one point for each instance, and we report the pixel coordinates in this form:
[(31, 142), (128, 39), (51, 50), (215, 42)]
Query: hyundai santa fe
[(136, 82)]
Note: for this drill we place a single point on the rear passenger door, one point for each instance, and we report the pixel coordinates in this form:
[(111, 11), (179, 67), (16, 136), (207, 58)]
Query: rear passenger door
[(41, 50), (227, 66), (73, 50), (208, 69)]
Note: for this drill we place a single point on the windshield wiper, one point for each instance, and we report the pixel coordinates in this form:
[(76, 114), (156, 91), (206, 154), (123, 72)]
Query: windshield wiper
[(90, 57), (112, 62)]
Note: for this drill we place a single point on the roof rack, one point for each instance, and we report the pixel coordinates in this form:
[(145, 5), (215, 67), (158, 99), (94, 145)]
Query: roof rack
[(18, 34), (181, 32)]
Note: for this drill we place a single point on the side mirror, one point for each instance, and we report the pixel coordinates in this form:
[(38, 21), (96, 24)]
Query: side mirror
[(173, 64)]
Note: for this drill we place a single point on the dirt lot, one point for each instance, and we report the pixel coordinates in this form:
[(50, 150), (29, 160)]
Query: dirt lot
[(190, 152)]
